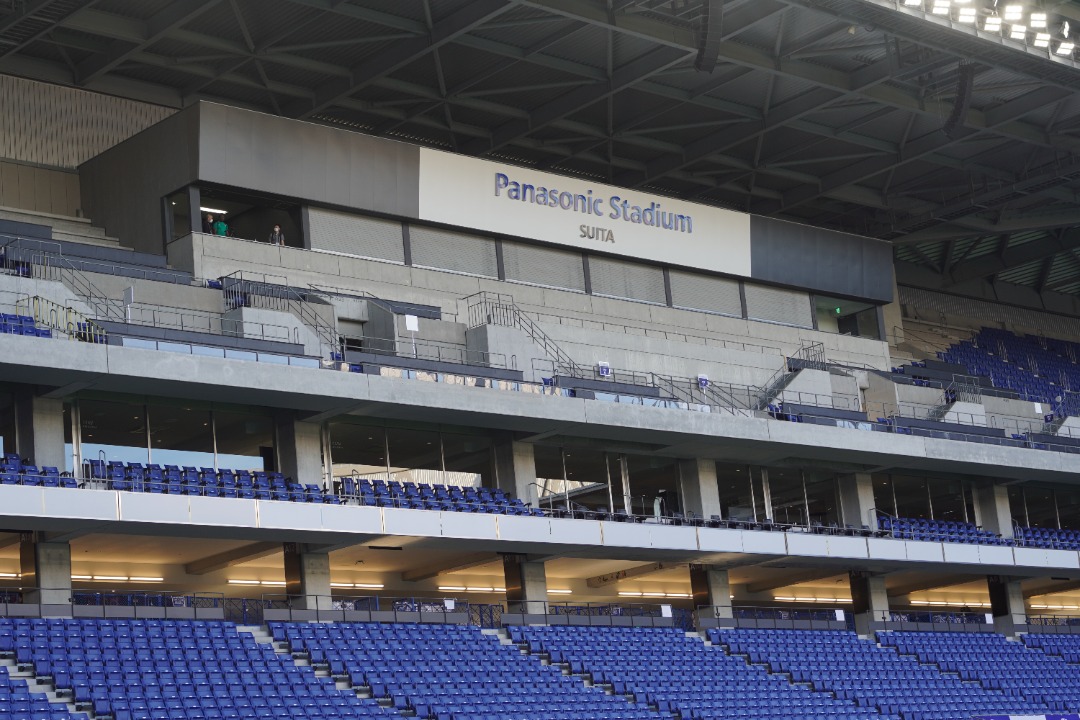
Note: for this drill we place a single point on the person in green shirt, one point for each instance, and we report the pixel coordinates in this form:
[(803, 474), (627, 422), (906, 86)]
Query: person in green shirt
[(220, 228)]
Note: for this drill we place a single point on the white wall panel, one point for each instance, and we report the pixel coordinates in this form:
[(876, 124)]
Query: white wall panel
[(770, 543), (886, 549), (289, 515), (807, 544), (89, 504), (995, 555), (625, 535), (576, 532), (720, 540), (961, 553), (411, 522), (222, 511), (673, 537), (847, 547), (924, 551), (358, 235), (468, 525), (146, 507), (352, 518)]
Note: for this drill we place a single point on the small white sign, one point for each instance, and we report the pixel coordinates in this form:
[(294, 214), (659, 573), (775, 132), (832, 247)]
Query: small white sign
[(989, 618), (1038, 409), (703, 381), (449, 604), (840, 615), (603, 369), (412, 323), (665, 611)]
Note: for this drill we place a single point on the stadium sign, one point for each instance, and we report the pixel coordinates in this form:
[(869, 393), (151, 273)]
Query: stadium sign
[(521, 202)]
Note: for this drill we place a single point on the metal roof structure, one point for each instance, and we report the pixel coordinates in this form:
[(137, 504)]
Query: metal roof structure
[(959, 146)]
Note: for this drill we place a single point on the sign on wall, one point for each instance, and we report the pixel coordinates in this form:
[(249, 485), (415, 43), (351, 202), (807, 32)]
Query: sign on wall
[(509, 200)]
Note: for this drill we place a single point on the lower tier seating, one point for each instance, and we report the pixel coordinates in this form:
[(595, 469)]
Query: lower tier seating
[(679, 674), (18, 702), (1048, 538), (1065, 648), (1045, 681), (172, 670), (938, 531), (450, 672), (422, 496), (880, 678)]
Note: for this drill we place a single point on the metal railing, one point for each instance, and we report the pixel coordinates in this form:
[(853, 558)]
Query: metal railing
[(272, 292), (371, 608), (62, 319), (427, 350), (44, 260), (203, 321), (601, 613), (499, 309)]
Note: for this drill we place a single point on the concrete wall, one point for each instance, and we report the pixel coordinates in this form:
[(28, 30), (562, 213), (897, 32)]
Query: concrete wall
[(122, 189), (40, 189)]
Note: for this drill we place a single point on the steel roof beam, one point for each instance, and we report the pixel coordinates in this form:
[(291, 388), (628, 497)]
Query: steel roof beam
[(174, 15), (987, 265), (400, 54)]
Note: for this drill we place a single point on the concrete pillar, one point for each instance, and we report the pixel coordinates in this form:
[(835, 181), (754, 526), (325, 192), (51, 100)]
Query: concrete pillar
[(857, 500), (45, 566), (299, 449), (39, 429), (1007, 605), (992, 510), (698, 489), (307, 577), (870, 601), (711, 590), (515, 470), (526, 585)]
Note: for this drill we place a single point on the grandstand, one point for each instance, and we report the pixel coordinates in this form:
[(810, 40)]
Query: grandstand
[(562, 359)]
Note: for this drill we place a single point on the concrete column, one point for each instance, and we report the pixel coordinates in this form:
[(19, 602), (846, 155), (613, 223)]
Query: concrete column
[(39, 429), (698, 489), (870, 601), (515, 470), (857, 500), (992, 509), (526, 585), (47, 567), (299, 449), (711, 590), (307, 577), (1007, 605)]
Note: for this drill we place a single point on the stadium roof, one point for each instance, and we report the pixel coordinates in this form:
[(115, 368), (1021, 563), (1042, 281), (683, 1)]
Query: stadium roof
[(859, 115)]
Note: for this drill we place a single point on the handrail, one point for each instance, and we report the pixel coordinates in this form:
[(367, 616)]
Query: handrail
[(424, 350), (499, 309), (63, 319), (274, 293)]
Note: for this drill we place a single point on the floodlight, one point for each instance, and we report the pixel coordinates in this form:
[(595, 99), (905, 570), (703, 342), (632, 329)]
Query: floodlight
[(1065, 29), (941, 7), (1014, 12), (1018, 32), (1042, 40), (912, 3), (1064, 49), (992, 24), (1037, 20), (966, 15)]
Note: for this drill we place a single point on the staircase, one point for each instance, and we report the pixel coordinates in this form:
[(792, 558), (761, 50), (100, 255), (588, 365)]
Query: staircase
[(71, 229), (811, 356), (498, 309), (61, 319), (272, 292), (37, 684)]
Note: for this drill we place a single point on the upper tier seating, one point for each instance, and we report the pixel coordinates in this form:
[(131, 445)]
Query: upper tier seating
[(1048, 538), (173, 670), (838, 661), (13, 471), (451, 672), (1044, 681), (938, 531), (422, 496), (1039, 369), (680, 674), (174, 480)]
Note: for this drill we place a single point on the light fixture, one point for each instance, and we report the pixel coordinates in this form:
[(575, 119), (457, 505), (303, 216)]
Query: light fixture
[(833, 601), (953, 603), (358, 586), (471, 588), (214, 210), (558, 592), (912, 3), (10, 575), (82, 577), (992, 24), (966, 15), (1042, 40), (1018, 32), (1013, 12), (1064, 49), (270, 583), (941, 7), (135, 578), (1037, 20), (629, 593)]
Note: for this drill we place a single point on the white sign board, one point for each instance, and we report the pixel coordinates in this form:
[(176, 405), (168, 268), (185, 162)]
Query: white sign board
[(665, 611), (509, 200)]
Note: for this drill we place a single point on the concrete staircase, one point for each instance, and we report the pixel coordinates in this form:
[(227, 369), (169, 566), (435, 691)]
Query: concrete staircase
[(44, 685), (71, 229)]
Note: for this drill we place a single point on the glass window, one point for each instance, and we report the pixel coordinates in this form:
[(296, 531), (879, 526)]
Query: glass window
[(245, 440), (912, 500), (1068, 501), (736, 496), (947, 499), (883, 494), (1017, 507), (416, 456), (113, 431), (468, 459), (69, 444), (1041, 510), (788, 501), (181, 436), (821, 496), (654, 485), (846, 317), (358, 450), (587, 478), (179, 208)]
